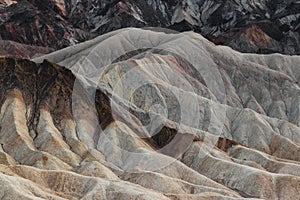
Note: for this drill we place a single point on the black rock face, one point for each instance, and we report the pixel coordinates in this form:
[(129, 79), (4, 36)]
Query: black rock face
[(248, 26)]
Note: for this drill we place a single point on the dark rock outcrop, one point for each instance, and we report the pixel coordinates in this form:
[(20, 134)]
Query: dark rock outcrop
[(35, 23), (17, 50), (247, 26)]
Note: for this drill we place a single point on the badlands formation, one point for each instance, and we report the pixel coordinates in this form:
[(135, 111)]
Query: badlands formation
[(264, 26), (144, 114)]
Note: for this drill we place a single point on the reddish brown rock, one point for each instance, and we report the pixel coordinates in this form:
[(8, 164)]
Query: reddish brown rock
[(17, 50)]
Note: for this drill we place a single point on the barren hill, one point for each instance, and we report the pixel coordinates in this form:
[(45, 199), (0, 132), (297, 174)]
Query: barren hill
[(144, 114), (265, 26)]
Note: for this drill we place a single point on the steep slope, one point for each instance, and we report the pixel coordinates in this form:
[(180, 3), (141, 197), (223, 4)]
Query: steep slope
[(46, 156), (35, 23), (17, 50), (265, 26), (139, 114)]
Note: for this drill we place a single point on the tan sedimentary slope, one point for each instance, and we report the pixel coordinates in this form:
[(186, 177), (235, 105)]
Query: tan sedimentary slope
[(149, 115)]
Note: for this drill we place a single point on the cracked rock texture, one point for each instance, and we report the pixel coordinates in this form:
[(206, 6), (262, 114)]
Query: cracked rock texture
[(139, 114)]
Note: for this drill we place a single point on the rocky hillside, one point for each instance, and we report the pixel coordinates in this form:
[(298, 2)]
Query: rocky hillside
[(17, 50), (265, 26), (141, 114)]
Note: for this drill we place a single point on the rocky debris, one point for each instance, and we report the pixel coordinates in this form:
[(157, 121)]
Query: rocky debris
[(150, 115), (247, 26)]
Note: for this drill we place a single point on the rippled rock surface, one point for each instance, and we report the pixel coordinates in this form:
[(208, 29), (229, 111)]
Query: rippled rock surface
[(141, 114)]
